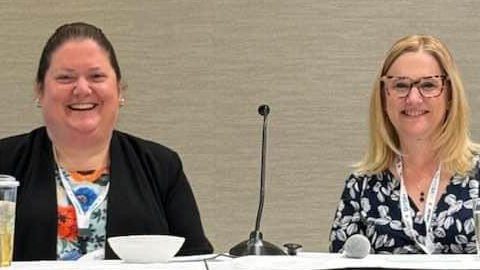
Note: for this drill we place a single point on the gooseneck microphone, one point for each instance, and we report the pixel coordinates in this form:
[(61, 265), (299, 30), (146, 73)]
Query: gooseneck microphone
[(263, 110), (255, 245), (357, 246)]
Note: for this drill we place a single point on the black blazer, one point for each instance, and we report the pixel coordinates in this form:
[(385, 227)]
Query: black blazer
[(149, 194)]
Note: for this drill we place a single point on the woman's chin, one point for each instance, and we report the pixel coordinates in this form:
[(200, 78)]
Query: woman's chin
[(86, 128)]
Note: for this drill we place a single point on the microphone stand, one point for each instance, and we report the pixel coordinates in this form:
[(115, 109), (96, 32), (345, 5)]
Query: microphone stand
[(255, 245)]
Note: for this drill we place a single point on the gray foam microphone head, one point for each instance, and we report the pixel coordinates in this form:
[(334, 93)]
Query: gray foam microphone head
[(357, 246)]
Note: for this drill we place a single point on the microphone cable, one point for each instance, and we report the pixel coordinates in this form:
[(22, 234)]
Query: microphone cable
[(205, 261)]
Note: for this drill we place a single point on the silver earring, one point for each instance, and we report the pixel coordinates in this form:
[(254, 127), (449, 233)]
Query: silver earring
[(122, 101), (37, 102)]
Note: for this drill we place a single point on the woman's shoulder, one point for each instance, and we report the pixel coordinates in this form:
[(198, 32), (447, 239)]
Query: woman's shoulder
[(372, 179), (144, 146), (371, 176), (475, 169), (476, 158), (19, 151), (24, 139)]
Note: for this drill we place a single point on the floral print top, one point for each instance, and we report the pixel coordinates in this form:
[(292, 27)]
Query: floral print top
[(86, 186), (370, 205)]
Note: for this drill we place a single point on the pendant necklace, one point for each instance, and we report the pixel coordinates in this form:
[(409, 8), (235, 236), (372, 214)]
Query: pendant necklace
[(422, 192), (428, 244), (422, 196)]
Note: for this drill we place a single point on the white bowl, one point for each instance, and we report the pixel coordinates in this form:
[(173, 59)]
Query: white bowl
[(146, 248)]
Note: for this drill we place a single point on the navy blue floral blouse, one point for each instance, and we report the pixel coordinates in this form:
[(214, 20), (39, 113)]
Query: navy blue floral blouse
[(370, 206)]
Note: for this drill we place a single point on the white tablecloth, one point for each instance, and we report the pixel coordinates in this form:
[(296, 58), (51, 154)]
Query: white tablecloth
[(304, 261)]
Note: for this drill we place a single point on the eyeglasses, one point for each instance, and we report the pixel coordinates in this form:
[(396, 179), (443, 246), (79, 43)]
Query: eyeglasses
[(401, 86)]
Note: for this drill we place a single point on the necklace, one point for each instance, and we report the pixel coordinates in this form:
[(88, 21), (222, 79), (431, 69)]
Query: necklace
[(89, 176), (421, 190), (428, 244), (83, 217), (422, 196)]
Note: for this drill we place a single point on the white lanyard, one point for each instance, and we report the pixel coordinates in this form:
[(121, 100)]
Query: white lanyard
[(407, 217), (83, 217)]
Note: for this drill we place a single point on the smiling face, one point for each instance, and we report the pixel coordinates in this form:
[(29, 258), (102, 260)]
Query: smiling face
[(415, 117), (80, 93)]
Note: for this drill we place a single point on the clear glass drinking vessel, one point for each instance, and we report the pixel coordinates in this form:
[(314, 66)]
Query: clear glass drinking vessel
[(8, 196)]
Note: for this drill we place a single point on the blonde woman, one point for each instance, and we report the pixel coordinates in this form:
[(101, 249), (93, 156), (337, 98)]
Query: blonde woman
[(413, 191)]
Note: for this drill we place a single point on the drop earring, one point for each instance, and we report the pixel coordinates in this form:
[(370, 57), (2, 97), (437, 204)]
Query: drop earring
[(121, 102)]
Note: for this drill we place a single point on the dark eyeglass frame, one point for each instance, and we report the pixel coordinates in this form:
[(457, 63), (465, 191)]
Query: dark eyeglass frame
[(415, 83)]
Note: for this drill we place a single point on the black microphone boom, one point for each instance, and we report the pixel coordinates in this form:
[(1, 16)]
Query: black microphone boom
[(255, 244)]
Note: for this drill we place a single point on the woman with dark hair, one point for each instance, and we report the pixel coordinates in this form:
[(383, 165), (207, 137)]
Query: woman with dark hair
[(82, 181)]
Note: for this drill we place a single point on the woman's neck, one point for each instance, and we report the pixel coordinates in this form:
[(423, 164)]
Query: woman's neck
[(81, 159), (418, 154), (420, 163)]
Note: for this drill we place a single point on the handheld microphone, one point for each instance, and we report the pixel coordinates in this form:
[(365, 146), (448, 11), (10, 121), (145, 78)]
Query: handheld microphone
[(357, 246), (255, 244)]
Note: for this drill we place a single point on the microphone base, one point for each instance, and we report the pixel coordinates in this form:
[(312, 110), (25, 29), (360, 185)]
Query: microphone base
[(255, 246)]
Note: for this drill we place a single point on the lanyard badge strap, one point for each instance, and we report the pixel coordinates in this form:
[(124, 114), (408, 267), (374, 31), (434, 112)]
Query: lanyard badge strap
[(83, 217), (407, 212)]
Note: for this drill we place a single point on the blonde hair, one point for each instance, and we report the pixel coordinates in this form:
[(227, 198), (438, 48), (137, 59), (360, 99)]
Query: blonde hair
[(453, 146)]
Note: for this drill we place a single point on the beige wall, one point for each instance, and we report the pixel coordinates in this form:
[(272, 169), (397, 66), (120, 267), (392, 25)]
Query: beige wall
[(197, 71)]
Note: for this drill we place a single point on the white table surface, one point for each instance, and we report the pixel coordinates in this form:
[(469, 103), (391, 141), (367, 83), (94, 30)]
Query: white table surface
[(304, 261)]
